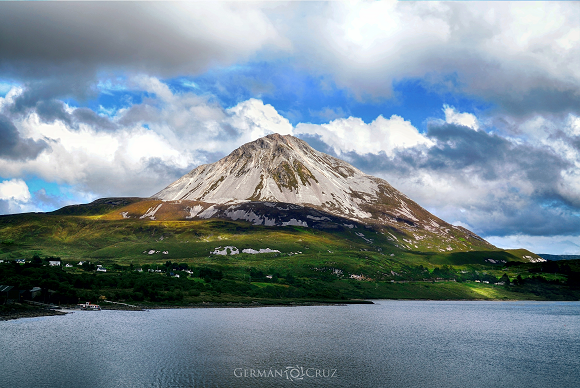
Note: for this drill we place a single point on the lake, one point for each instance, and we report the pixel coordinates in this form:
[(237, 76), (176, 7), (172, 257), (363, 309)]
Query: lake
[(388, 344)]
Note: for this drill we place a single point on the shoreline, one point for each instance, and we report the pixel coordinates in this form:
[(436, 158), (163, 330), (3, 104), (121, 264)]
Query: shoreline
[(29, 313), (26, 312), (22, 311)]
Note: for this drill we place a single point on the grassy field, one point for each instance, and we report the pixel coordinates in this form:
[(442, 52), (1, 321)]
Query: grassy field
[(321, 265)]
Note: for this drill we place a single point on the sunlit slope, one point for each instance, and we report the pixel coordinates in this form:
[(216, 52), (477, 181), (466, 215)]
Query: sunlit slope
[(402, 236), (111, 237)]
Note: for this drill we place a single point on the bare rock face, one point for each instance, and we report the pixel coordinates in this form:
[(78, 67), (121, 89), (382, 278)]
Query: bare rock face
[(285, 169), (279, 168)]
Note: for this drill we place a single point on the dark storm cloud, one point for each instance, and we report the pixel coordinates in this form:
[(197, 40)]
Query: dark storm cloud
[(556, 99), (478, 153), (42, 37), (534, 216), (42, 98), (89, 117), (38, 39), (488, 155), (52, 110), (12, 146), (52, 88)]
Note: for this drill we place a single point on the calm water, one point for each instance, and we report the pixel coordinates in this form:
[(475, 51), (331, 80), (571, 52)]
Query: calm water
[(389, 344)]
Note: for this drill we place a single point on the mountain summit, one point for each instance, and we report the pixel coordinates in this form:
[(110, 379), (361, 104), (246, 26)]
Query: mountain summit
[(285, 169), (280, 168)]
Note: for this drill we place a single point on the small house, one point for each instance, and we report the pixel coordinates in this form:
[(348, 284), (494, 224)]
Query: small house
[(54, 263), (9, 293), (34, 292)]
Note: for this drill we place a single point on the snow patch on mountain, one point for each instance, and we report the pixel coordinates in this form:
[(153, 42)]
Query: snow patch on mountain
[(231, 250), (194, 211), (151, 212), (224, 251), (532, 259), (255, 252), (295, 222), (208, 213), (249, 216)]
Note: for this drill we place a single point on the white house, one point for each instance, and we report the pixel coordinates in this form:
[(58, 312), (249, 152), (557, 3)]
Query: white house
[(54, 263)]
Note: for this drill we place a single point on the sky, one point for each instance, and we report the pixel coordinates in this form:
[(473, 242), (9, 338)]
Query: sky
[(472, 109)]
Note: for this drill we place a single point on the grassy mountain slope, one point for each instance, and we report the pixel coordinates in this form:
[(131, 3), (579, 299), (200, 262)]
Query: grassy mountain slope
[(346, 262), (98, 232)]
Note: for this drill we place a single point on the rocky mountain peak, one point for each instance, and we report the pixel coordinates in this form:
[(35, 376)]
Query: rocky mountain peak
[(274, 168), (285, 169)]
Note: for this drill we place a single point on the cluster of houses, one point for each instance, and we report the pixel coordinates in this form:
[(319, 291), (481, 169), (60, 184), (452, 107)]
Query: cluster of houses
[(88, 306), (9, 294), (487, 282)]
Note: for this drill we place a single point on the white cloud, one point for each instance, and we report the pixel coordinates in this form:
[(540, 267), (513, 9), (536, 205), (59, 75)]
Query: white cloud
[(12, 93), (254, 119), (154, 142), (354, 135), (465, 119), (108, 163), (14, 190), (15, 197), (490, 49)]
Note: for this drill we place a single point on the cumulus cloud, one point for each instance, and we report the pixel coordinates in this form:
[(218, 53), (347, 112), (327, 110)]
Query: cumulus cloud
[(495, 184), (465, 119), (354, 135), (108, 163), (520, 56), (15, 190), (255, 119), (516, 54), (14, 197), (138, 150)]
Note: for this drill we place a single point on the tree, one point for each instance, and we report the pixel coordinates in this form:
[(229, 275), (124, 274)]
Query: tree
[(505, 278)]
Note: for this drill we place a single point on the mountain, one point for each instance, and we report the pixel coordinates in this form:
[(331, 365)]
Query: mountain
[(273, 209), (281, 180), (558, 257)]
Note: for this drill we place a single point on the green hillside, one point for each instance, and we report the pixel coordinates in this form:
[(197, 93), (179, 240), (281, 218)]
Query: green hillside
[(337, 264)]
